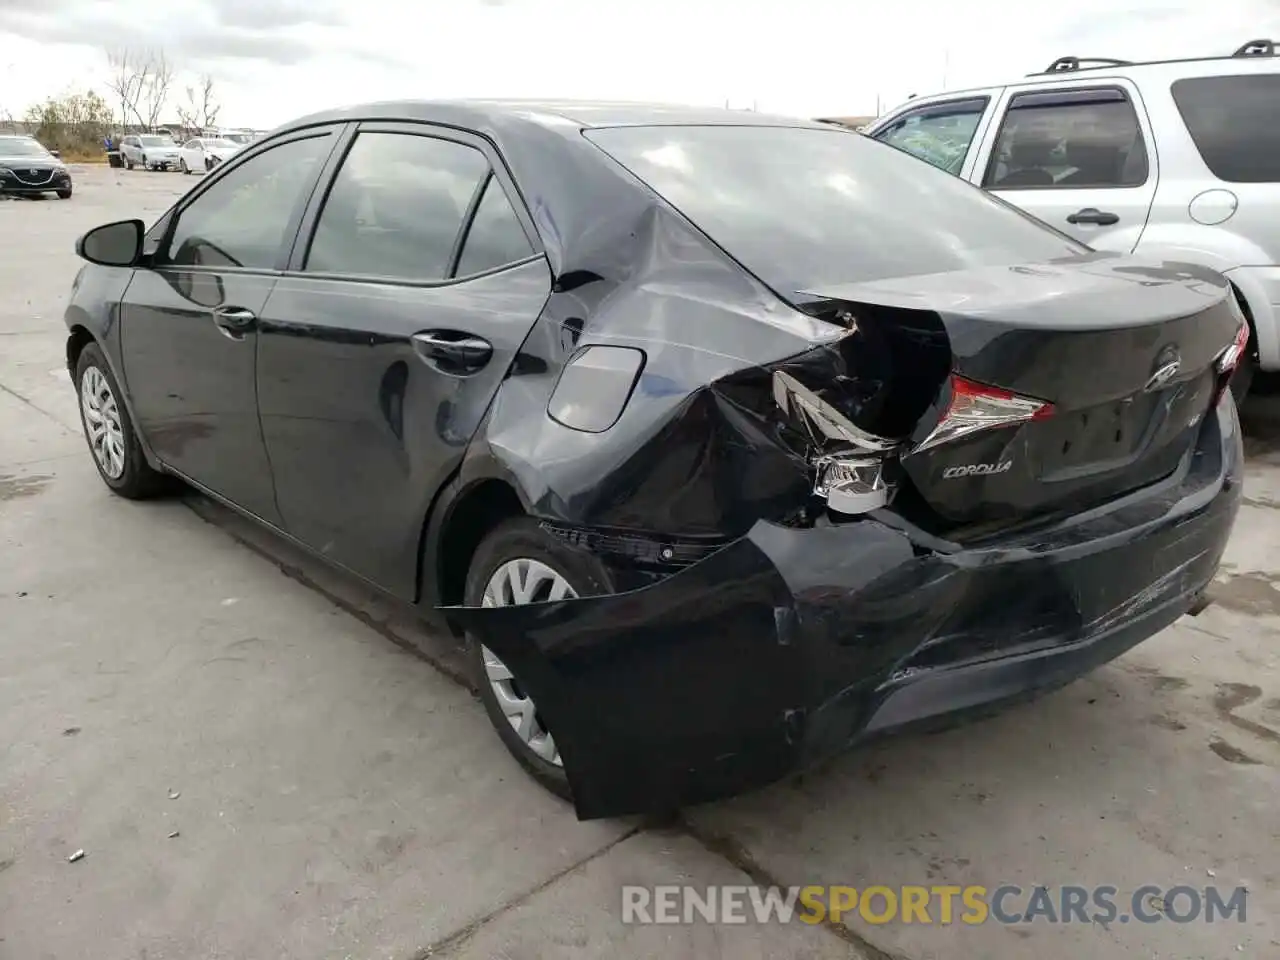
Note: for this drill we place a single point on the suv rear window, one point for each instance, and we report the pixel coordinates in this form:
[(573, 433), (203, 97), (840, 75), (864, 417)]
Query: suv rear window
[(799, 206), (1234, 123)]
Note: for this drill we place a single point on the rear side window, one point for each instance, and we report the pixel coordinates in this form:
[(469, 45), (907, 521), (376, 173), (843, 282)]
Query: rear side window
[(801, 206), (1235, 123), (939, 134), (396, 207), (495, 237), (1068, 140)]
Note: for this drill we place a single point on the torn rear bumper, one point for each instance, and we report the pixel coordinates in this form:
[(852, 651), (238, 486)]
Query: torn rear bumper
[(789, 645)]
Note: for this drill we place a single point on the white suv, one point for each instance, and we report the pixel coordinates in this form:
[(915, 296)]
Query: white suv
[(1178, 160)]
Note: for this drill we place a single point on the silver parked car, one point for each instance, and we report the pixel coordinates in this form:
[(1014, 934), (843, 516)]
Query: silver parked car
[(1176, 160), (151, 151)]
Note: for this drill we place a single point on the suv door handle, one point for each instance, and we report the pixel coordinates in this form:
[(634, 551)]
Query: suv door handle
[(235, 322), (1092, 215), (453, 352)]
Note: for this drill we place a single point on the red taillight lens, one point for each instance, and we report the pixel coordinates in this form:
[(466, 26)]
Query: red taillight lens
[(975, 406), (1228, 362)]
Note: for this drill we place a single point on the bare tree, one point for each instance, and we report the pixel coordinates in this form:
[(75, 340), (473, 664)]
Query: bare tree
[(199, 111), (189, 114), (209, 105), (157, 80), (128, 78)]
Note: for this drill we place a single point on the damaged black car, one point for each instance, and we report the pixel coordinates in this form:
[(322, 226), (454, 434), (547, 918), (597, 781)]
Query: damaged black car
[(725, 441)]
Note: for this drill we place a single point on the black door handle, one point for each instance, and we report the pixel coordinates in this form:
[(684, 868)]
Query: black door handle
[(235, 322), (1092, 215), (451, 351)]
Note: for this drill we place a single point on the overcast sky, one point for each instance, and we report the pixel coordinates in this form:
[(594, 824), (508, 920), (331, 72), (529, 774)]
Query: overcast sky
[(277, 59)]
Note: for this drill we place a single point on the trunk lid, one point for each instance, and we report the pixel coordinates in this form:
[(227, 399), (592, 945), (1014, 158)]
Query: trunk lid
[(1123, 351)]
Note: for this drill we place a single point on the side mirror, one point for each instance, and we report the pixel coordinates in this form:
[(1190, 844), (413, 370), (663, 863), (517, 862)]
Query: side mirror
[(116, 244), (56, 153)]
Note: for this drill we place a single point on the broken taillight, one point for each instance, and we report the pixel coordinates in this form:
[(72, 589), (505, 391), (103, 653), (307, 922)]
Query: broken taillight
[(1228, 362), (975, 406), (848, 461)]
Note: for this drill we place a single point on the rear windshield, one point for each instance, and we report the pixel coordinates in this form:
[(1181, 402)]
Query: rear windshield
[(154, 141), (800, 207), (1235, 123)]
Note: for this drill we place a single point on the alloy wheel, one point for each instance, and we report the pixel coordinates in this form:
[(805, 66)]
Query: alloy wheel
[(517, 582), (102, 422)]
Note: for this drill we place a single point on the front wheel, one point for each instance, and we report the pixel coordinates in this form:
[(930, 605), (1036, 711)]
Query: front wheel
[(182, 165), (64, 194), (109, 432), (520, 563)]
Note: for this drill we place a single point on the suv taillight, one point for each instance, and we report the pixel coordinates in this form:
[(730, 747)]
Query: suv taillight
[(975, 406)]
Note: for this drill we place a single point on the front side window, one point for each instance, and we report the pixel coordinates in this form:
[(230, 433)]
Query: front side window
[(1235, 123), (801, 207), (396, 207), (241, 220), (939, 134), (1068, 140)]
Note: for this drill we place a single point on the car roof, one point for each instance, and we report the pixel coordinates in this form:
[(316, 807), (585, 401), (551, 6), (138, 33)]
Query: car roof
[(480, 114), (573, 191)]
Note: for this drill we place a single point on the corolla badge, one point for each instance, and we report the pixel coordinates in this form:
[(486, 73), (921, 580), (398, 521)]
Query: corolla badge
[(1168, 363), (976, 470)]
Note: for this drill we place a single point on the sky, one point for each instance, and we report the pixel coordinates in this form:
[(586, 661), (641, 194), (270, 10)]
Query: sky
[(274, 60)]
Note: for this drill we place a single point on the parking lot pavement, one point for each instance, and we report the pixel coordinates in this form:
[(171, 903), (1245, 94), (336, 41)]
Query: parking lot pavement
[(259, 760)]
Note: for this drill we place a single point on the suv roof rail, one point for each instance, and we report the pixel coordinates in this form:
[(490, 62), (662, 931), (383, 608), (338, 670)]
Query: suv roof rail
[(1254, 48), (1257, 48), (1066, 64)]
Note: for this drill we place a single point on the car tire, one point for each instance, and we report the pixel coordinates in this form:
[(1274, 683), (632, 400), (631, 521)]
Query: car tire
[(182, 165), (64, 194), (523, 540), (128, 164), (118, 457)]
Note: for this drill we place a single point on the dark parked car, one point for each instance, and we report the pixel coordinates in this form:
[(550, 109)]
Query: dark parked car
[(727, 441), (28, 169)]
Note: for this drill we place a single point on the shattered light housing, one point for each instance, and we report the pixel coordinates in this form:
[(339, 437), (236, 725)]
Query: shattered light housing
[(849, 461)]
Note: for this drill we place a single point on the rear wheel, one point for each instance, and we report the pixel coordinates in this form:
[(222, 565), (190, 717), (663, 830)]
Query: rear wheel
[(128, 164), (520, 563), (109, 432)]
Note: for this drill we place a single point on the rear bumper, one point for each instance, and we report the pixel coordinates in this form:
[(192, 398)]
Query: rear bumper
[(789, 645)]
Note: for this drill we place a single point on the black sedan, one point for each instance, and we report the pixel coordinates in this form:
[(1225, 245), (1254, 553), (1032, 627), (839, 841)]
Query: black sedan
[(725, 441), (27, 169)]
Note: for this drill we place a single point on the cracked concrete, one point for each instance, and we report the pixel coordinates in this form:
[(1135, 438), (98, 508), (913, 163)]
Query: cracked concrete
[(259, 758)]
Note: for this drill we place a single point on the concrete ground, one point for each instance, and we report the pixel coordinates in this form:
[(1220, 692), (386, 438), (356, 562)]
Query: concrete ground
[(258, 760)]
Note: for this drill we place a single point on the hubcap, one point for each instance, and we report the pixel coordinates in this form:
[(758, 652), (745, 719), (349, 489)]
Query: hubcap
[(517, 582), (102, 422)]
